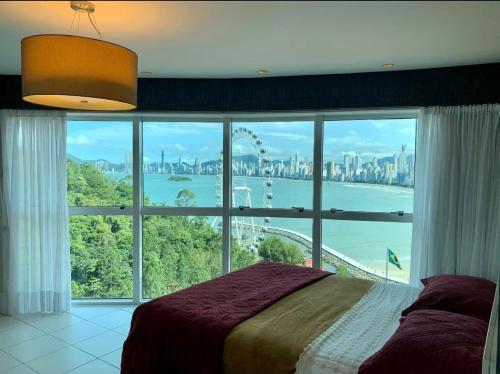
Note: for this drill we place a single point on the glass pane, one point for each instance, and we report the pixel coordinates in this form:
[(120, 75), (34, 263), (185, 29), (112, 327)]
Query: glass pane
[(369, 165), (182, 158), (272, 164), (359, 248), (179, 252), (286, 240), (101, 256), (99, 163)]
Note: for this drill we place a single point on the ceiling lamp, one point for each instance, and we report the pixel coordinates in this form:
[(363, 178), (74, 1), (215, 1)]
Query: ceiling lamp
[(74, 72)]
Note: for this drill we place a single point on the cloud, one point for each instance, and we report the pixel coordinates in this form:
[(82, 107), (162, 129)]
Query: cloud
[(378, 124), (337, 147), (267, 125), (288, 136), (406, 130), (179, 147), (80, 139), (274, 152), (349, 139), (243, 149), (173, 147), (180, 128), (204, 149)]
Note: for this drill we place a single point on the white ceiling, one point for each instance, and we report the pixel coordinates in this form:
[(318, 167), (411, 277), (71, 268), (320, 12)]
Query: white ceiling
[(234, 39)]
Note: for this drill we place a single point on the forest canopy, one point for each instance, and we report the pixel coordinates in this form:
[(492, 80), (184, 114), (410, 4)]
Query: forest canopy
[(177, 251)]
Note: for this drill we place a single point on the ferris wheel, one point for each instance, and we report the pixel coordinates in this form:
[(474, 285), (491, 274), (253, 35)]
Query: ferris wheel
[(248, 231)]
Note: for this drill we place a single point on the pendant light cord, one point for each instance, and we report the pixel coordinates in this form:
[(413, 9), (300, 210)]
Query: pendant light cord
[(92, 20), (94, 24), (72, 22)]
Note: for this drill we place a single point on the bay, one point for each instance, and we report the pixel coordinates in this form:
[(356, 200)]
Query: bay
[(365, 242)]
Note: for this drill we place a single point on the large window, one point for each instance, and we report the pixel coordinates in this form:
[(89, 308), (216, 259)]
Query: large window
[(179, 251), (368, 177), (101, 256), (100, 194), (99, 156), (272, 164), (156, 206), (182, 156)]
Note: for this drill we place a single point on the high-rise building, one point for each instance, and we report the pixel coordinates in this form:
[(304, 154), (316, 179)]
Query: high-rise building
[(197, 167), (402, 162), (292, 166), (347, 165), (330, 170), (358, 162), (395, 162), (128, 162)]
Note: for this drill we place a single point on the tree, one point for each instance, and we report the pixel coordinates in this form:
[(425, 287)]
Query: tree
[(276, 249), (185, 198), (177, 251)]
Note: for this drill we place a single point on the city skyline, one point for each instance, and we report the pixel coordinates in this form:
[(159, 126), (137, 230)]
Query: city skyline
[(397, 169), (113, 140)]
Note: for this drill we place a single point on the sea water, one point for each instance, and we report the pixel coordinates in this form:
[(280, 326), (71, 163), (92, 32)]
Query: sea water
[(365, 242)]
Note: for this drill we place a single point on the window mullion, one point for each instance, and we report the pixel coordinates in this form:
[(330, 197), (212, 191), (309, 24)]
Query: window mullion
[(137, 210), (226, 197), (318, 174)]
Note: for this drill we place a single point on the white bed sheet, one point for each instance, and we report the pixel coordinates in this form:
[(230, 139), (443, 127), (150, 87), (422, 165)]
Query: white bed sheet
[(359, 333)]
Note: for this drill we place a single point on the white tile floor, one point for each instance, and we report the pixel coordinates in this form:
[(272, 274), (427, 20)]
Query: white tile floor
[(88, 340)]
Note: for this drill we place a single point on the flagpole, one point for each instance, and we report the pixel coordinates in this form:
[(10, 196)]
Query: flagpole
[(386, 265)]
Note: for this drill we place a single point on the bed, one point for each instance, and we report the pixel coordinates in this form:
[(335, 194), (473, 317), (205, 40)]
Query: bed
[(275, 318)]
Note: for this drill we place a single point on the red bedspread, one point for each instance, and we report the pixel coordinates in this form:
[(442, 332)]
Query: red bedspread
[(184, 332)]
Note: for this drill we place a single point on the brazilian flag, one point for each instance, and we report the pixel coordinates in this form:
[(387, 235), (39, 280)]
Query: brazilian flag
[(393, 259)]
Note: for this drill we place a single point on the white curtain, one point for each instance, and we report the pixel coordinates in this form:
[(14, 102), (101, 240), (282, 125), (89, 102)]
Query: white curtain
[(456, 228), (35, 260)]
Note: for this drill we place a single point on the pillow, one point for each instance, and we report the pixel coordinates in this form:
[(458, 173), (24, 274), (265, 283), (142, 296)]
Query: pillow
[(456, 293), (431, 342)]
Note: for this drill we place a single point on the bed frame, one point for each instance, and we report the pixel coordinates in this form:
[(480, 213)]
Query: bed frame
[(491, 356)]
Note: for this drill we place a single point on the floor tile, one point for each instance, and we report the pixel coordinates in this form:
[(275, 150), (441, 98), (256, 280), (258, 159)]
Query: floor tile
[(60, 361), (22, 369), (89, 312), (113, 319), (35, 348), (113, 358), (123, 329), (79, 331), (30, 317), (55, 322), (96, 367), (18, 335), (7, 362), (102, 344), (7, 322), (128, 308)]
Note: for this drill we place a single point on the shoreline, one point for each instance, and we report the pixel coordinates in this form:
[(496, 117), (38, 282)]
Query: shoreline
[(353, 184)]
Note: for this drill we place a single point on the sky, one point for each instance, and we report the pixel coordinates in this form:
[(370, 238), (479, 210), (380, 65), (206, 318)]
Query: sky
[(91, 140)]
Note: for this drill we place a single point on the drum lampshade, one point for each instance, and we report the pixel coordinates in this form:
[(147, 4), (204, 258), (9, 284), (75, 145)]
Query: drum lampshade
[(74, 72)]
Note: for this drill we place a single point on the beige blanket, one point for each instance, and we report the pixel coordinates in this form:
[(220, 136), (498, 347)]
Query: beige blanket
[(272, 340)]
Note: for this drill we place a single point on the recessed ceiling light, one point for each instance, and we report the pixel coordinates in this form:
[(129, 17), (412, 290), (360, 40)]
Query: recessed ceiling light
[(388, 66), (146, 73), (262, 71)]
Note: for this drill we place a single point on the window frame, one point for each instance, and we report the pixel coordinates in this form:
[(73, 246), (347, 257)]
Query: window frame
[(317, 214)]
